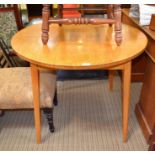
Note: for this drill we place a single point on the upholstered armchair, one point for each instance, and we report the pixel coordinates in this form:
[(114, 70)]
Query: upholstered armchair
[(15, 82), (16, 91)]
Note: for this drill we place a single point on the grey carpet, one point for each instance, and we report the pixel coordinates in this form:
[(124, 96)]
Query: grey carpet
[(88, 117)]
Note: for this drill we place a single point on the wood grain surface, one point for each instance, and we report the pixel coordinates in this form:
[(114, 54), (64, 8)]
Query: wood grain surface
[(78, 47)]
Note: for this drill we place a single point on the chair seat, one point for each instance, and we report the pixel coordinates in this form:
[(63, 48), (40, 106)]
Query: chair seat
[(16, 88)]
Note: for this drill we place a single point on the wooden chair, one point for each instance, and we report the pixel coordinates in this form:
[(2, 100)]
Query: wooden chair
[(114, 17), (19, 77)]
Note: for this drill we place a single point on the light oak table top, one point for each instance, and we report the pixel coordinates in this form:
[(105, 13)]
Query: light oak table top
[(78, 46)]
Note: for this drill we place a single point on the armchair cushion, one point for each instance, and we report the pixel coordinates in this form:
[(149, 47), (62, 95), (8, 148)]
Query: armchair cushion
[(16, 88)]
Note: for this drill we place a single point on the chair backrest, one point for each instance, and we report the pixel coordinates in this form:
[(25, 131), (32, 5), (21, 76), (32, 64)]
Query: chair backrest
[(80, 9), (16, 10), (5, 59), (10, 21), (114, 17)]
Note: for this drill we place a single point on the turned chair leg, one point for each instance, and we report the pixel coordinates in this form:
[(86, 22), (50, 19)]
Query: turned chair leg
[(110, 12), (118, 24), (60, 12), (49, 115), (55, 100), (45, 24)]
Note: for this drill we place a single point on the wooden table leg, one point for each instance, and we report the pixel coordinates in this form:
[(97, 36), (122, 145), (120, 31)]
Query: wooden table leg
[(122, 81), (126, 98), (36, 100)]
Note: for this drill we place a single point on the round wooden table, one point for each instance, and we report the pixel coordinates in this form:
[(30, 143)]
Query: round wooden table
[(80, 47)]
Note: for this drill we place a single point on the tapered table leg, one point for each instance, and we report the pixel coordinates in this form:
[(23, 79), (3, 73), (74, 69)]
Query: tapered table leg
[(126, 98), (36, 99)]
